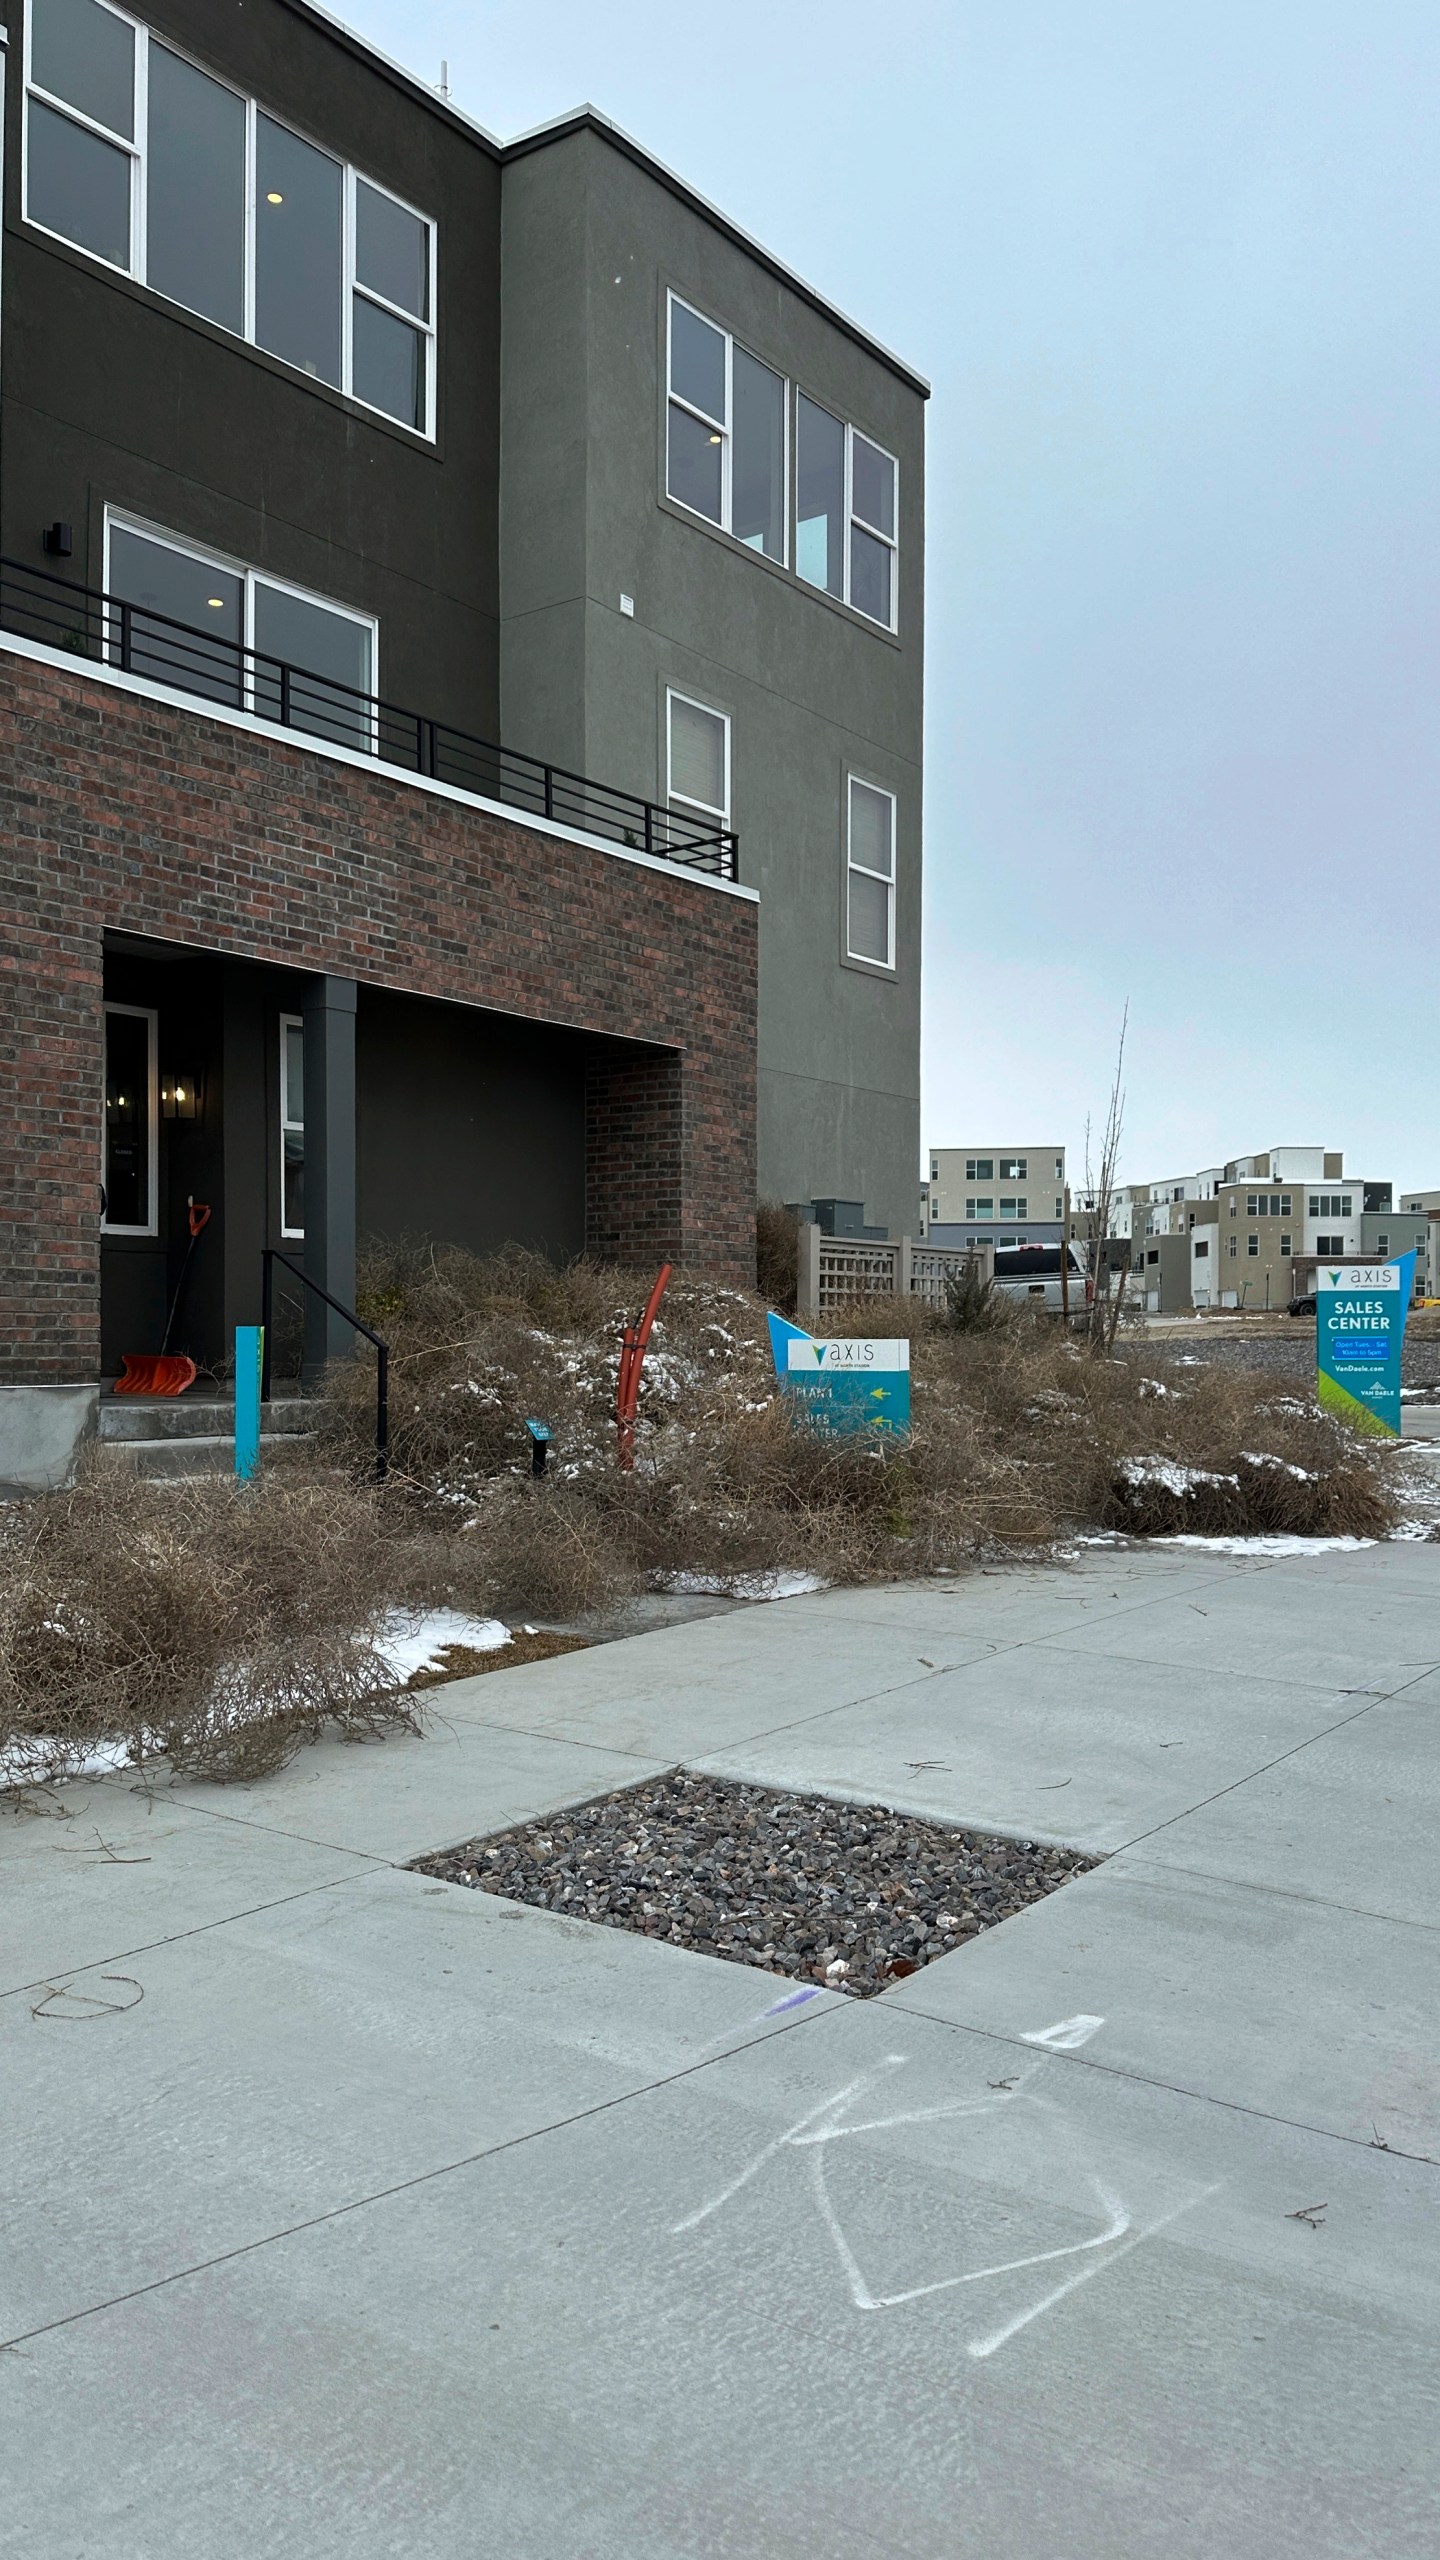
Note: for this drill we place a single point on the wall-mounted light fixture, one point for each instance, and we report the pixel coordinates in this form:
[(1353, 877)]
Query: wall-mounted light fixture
[(58, 539), (179, 1096)]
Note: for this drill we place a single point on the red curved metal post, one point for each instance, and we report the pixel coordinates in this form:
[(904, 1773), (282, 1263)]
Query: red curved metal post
[(632, 1360)]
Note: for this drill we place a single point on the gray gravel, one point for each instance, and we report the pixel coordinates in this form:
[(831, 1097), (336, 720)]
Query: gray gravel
[(1288, 1355), (852, 1896)]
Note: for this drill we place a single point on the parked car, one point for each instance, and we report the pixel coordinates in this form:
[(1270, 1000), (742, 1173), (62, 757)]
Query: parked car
[(1302, 1306)]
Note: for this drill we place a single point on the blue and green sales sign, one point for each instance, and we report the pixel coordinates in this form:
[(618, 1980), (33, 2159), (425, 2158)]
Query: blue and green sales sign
[(1360, 1310), (843, 1386)]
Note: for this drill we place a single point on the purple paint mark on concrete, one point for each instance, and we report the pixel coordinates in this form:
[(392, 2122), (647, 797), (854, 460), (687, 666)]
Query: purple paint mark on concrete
[(792, 2000)]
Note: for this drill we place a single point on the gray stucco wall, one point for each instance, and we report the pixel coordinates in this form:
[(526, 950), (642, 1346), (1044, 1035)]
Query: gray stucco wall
[(591, 242)]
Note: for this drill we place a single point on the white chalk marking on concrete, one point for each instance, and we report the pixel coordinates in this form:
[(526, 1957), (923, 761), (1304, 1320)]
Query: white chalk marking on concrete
[(865, 2300), (785, 2141), (981, 2348), (1067, 2035)]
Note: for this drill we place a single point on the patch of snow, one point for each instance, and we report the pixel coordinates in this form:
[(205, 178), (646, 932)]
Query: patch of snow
[(784, 1583), (39, 1763), (409, 1640), (1266, 1544), (1267, 1458), (1155, 1387), (1169, 1473)]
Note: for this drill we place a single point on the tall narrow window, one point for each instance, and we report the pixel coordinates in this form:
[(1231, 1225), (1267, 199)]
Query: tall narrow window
[(390, 307), (819, 497), (131, 1121), (697, 768), (725, 433), (699, 410), (292, 1125), (195, 190), (870, 875), (298, 192), (79, 163), (758, 462), (872, 530)]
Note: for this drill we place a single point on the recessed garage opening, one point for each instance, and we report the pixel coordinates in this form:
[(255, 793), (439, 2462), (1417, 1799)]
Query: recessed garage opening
[(848, 1897)]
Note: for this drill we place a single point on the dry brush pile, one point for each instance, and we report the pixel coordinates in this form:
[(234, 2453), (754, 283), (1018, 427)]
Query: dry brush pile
[(1020, 1437), (221, 1626), (215, 1626)]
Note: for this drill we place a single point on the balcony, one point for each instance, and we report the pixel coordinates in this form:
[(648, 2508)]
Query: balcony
[(37, 605)]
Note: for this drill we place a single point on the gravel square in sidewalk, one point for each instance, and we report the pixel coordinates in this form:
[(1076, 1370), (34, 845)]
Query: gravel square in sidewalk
[(853, 1897)]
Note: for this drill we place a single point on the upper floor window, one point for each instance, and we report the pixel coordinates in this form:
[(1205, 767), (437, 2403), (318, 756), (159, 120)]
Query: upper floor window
[(979, 1168), (697, 765), (138, 156), (870, 875), (725, 438), (1014, 1168), (313, 664), (845, 512), (1330, 1204)]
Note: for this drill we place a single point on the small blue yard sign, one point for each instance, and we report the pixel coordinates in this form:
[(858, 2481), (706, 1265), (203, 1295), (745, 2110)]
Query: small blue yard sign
[(846, 1385), (1360, 1310)]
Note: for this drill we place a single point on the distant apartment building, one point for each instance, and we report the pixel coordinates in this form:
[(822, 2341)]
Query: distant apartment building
[(1005, 1196), (1249, 1233)]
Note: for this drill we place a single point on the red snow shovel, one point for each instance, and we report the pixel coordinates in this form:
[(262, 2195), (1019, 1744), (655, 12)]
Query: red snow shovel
[(162, 1372)]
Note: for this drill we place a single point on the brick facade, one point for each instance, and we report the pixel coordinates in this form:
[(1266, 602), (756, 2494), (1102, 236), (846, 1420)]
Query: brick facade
[(123, 813)]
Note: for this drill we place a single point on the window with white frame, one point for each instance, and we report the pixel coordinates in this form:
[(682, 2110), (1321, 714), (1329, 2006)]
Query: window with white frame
[(845, 512), (725, 432), (697, 766), (135, 154), (132, 1122), (292, 1125), (329, 650), (870, 874)]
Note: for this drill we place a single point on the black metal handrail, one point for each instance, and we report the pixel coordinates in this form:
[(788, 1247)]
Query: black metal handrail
[(40, 605), (270, 1254)]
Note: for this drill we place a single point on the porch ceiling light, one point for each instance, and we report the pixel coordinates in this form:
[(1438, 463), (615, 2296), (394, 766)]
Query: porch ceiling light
[(179, 1097)]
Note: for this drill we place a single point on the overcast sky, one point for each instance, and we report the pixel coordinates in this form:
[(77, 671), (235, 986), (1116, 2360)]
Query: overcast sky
[(1174, 273)]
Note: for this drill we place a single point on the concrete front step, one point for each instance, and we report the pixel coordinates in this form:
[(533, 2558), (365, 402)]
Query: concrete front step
[(209, 1454), (131, 1418)]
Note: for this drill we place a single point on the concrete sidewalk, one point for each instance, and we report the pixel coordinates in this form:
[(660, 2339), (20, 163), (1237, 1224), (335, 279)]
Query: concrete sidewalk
[(375, 2216)]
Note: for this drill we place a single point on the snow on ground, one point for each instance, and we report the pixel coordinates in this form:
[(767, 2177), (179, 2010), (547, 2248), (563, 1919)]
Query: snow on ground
[(783, 1584), (37, 1763), (1265, 1544), (409, 1640)]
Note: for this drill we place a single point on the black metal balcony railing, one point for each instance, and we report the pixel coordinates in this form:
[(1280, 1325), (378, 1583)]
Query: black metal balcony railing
[(41, 606)]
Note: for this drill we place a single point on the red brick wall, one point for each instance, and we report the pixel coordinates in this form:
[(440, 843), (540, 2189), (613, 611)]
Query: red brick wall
[(119, 813)]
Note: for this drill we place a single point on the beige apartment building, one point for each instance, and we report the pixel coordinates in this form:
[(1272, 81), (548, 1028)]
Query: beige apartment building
[(1006, 1196)]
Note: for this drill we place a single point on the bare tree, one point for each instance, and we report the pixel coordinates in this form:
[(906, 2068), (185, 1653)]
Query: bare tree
[(1102, 1316)]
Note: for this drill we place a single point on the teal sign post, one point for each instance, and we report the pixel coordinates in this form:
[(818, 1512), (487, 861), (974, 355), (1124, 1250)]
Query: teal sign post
[(1360, 1310), (249, 1351), (847, 1385)]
